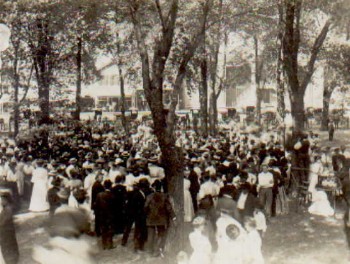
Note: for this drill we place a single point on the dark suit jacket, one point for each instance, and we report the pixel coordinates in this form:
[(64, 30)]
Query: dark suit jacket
[(104, 207), (136, 204), (158, 209), (250, 204), (96, 189)]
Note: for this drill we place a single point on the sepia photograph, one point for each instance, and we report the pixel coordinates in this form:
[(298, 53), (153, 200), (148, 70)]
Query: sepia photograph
[(174, 131)]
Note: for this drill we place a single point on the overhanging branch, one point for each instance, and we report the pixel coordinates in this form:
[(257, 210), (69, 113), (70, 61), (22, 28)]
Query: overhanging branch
[(314, 53)]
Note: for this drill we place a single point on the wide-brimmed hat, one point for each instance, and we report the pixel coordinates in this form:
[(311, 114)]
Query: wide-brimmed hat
[(125, 154), (231, 157), (100, 160), (153, 159), (52, 173), (73, 161), (118, 161), (40, 162)]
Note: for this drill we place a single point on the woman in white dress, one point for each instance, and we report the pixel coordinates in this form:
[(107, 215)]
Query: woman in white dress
[(38, 201), (316, 169), (188, 205)]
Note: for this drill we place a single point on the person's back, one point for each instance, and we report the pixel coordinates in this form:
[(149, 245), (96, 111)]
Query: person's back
[(158, 209)]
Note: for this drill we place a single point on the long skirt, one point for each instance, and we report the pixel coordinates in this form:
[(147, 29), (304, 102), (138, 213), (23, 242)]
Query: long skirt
[(188, 207), (282, 206), (38, 201)]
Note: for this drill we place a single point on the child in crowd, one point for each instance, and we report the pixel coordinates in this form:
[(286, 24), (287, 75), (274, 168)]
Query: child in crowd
[(253, 243), (231, 246), (200, 243), (260, 221)]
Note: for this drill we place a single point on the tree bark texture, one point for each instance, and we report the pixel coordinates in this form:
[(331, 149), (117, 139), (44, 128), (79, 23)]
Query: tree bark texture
[(43, 68), (203, 95), (16, 91), (258, 73), (325, 109), (281, 107), (329, 84), (125, 122), (214, 95), (79, 79), (291, 44)]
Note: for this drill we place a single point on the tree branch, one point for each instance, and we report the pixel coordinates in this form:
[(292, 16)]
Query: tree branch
[(163, 47), (314, 53), (191, 48), (160, 13), (141, 46)]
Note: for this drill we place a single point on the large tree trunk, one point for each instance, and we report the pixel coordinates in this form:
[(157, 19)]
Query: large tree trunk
[(16, 85), (125, 122), (329, 84), (203, 97), (325, 110), (213, 113), (291, 44), (281, 107), (297, 111), (43, 68), (79, 79), (258, 73), (214, 95), (172, 162), (44, 103), (165, 123)]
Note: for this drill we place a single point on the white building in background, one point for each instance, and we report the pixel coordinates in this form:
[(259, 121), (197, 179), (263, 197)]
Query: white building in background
[(107, 95), (106, 92)]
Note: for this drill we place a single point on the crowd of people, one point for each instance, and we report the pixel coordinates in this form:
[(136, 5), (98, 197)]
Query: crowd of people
[(233, 184)]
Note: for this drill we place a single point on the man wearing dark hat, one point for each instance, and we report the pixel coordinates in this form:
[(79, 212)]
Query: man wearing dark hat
[(136, 214), (159, 213), (120, 200), (194, 187), (104, 213), (97, 187), (53, 197)]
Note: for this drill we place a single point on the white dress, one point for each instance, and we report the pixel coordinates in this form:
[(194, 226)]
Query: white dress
[(320, 204), (229, 249), (253, 248), (201, 248), (315, 170), (188, 205), (38, 201)]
